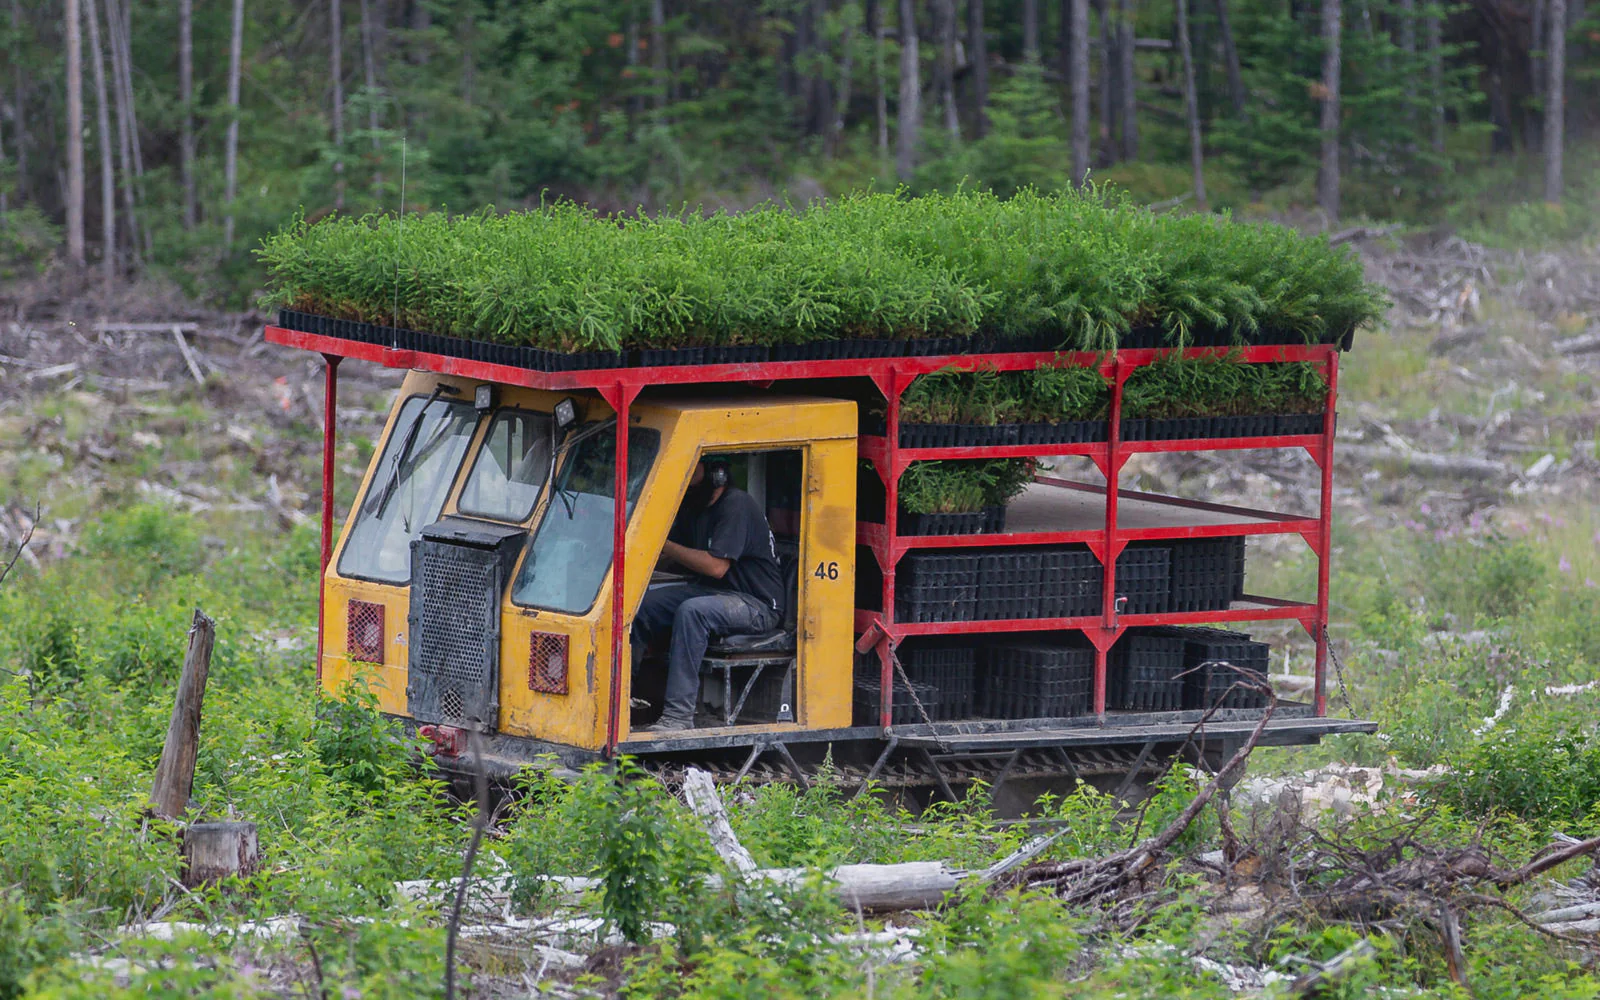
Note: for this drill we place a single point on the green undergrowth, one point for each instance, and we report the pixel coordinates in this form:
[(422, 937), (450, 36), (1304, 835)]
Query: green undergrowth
[(1079, 268), (960, 486)]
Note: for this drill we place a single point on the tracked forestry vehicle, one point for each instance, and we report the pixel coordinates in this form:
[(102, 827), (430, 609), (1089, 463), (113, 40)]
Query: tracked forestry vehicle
[(501, 542)]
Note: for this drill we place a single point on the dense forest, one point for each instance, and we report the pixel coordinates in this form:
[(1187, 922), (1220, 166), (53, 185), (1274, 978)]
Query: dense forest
[(169, 135)]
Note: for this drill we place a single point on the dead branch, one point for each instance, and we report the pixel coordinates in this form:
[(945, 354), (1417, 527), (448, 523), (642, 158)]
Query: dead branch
[(1555, 859), (27, 536)]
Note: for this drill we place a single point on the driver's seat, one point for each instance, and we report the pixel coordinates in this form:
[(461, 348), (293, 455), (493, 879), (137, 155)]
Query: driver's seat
[(761, 655)]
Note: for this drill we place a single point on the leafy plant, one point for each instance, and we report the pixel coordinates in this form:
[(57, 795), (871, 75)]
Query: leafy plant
[(1048, 394), (1211, 385), (964, 485)]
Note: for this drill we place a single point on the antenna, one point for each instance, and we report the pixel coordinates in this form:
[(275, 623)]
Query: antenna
[(400, 234)]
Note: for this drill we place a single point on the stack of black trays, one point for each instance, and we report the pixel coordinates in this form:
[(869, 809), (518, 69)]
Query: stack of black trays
[(1051, 581), (1144, 577), (1207, 573), (1142, 672), (869, 701), (1036, 678), (1209, 658), (949, 667), (937, 587)]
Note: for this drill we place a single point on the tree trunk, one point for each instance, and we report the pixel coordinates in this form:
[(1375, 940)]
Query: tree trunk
[(122, 88), (1125, 73), (1435, 28), (946, 10), (336, 75), (1555, 101), (847, 68), (1191, 106), (1230, 60), (1030, 30), (978, 49), (1538, 79), (174, 778), (108, 183), (1328, 176), (880, 98), (658, 50), (230, 167), (910, 109), (186, 109), (1080, 91), (1110, 106), (19, 147), (819, 96), (74, 32)]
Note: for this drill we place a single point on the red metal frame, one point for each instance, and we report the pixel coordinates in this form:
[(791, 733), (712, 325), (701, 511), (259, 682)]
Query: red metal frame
[(620, 386)]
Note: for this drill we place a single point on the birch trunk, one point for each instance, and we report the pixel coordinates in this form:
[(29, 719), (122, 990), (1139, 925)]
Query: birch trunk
[(1108, 106), (102, 114), (1080, 91), (122, 88), (1328, 176), (186, 101), (230, 167), (1555, 102), (910, 109), (74, 37), (1191, 105)]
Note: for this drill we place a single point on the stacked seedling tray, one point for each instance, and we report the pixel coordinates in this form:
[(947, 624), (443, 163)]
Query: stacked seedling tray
[(1144, 579), (949, 667), (869, 699), (1207, 573), (998, 584), (1036, 679), (938, 587), (1210, 656), (1143, 673)]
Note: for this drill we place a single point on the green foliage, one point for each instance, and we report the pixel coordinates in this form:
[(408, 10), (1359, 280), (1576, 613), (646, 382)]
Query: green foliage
[(1176, 386), (1497, 577), (1023, 148), (963, 485), (27, 239), (1048, 394), (1075, 267), (358, 744), (1542, 767)]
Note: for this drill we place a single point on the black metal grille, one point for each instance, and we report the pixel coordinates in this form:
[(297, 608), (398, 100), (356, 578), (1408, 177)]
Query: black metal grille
[(455, 635)]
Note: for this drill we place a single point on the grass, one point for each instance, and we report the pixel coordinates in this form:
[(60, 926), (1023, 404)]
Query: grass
[(1078, 269)]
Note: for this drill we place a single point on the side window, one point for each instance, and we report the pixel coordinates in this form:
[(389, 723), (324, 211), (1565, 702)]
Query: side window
[(570, 552), (510, 468), (414, 473)]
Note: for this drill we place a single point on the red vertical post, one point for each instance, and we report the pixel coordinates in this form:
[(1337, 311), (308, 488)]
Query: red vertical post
[(1109, 550), (330, 408), (891, 541), (619, 559), (1325, 536)]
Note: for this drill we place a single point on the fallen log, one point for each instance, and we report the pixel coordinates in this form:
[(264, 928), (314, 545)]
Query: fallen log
[(1583, 344), (1428, 463)]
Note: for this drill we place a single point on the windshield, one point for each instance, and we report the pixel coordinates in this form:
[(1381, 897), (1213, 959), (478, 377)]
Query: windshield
[(570, 553), (511, 467), (414, 474)]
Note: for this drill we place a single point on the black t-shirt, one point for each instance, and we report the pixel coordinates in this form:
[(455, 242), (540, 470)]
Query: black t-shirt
[(734, 528)]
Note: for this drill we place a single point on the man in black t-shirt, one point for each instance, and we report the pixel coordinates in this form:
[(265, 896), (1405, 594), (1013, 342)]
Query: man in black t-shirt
[(722, 538)]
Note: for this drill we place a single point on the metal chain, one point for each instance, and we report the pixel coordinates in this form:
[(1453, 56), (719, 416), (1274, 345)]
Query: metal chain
[(1338, 670), (901, 671)]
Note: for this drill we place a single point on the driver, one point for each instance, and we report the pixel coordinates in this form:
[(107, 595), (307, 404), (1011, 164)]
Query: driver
[(721, 537)]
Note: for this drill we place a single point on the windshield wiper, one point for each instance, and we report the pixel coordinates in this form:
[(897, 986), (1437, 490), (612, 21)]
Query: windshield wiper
[(387, 494)]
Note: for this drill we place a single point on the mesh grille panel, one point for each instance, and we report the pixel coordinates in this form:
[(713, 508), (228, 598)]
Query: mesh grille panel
[(363, 632), (459, 595), (547, 663)]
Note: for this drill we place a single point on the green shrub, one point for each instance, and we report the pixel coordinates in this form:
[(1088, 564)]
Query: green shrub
[(1048, 394), (1543, 767)]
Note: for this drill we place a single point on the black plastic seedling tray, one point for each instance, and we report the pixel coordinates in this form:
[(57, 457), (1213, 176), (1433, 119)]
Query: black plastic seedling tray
[(1209, 658), (937, 587), (1037, 679), (869, 702), (1144, 577), (949, 667), (1207, 573), (1142, 673), (989, 520)]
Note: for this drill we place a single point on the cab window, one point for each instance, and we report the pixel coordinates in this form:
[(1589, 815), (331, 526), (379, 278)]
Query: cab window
[(570, 552), (510, 468), (414, 473)]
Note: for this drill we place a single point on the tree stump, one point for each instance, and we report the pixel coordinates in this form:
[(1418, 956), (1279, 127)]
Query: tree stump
[(214, 851)]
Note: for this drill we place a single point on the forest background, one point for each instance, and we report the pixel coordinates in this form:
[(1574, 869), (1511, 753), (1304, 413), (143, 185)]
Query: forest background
[(163, 137)]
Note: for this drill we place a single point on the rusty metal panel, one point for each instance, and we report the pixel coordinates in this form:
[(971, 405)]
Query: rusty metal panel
[(364, 633), (547, 663)]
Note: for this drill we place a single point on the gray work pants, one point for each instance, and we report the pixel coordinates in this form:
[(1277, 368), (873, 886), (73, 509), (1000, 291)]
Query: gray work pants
[(695, 614)]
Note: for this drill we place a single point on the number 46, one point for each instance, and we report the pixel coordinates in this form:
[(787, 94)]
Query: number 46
[(827, 571)]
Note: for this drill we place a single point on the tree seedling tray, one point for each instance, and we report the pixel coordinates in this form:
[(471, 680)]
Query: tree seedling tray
[(1142, 673)]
